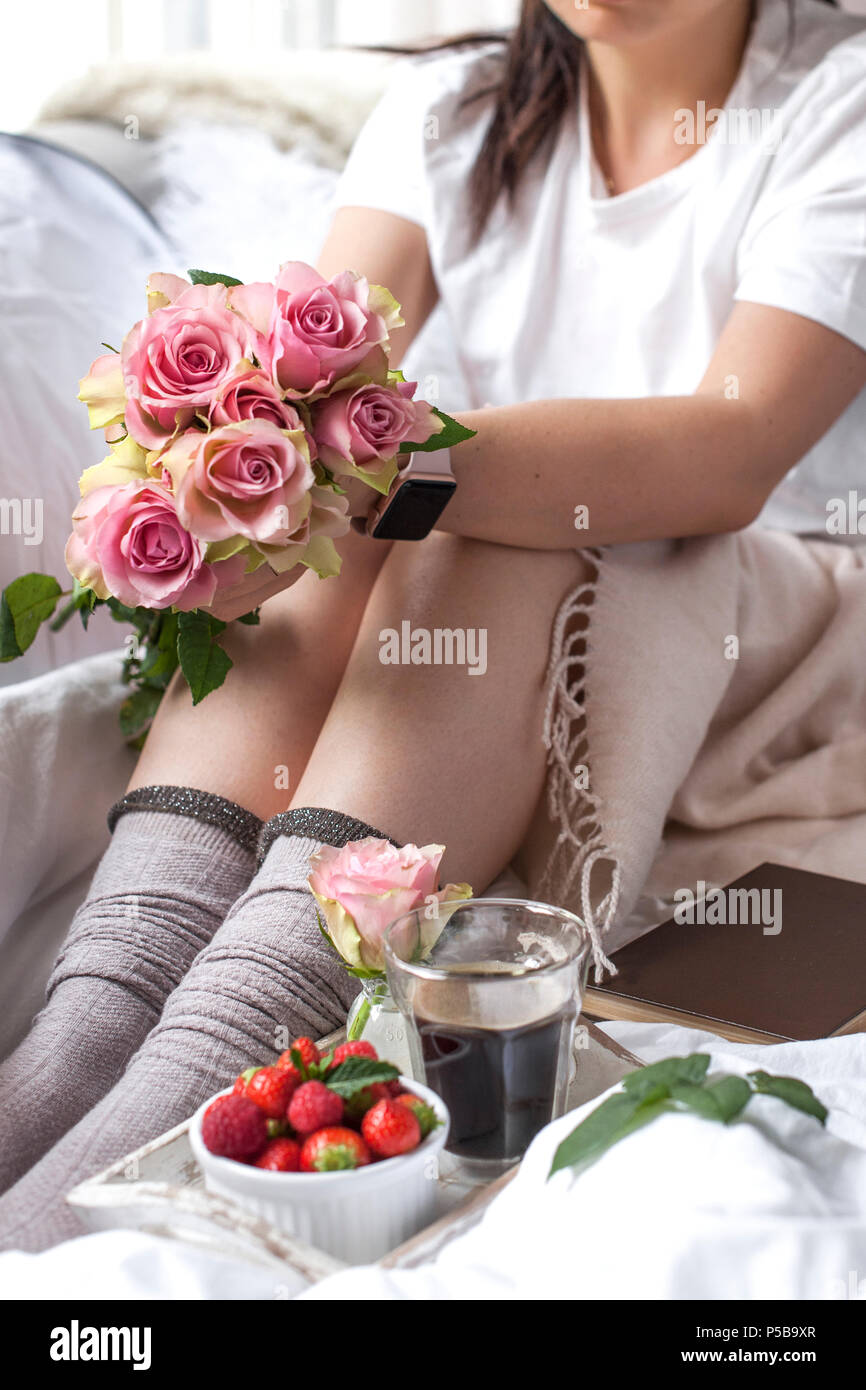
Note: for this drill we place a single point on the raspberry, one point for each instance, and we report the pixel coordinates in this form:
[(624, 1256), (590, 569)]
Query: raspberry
[(313, 1106), (359, 1048), (234, 1127), (390, 1129), (331, 1150), (424, 1113), (272, 1088), (280, 1156)]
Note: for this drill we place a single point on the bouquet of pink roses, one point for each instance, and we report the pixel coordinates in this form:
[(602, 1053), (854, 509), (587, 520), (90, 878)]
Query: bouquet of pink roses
[(231, 413)]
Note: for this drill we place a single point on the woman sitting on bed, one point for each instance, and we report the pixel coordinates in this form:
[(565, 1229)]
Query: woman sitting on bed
[(647, 220)]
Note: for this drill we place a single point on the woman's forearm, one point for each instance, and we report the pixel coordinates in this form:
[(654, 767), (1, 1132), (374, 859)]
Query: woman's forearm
[(563, 473), (661, 466)]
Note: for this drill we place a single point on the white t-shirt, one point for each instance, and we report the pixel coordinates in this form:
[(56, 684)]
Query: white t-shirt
[(578, 294)]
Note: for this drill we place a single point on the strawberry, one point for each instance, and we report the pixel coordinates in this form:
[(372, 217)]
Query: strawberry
[(241, 1083), (280, 1156), (313, 1106), (391, 1129), (234, 1127), (358, 1104), (424, 1113), (330, 1150), (285, 1063), (308, 1050), (394, 1088), (359, 1048), (272, 1089)]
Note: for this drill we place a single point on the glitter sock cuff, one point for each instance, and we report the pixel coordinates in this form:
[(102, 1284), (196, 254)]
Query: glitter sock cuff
[(201, 806), (317, 823)]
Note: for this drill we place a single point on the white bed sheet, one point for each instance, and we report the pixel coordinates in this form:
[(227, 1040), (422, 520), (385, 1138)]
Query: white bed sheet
[(772, 1206)]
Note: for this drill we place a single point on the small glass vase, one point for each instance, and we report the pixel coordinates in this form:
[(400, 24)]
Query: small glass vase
[(375, 1017)]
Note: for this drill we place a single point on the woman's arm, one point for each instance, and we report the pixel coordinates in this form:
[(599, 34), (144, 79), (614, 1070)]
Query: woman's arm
[(663, 466)]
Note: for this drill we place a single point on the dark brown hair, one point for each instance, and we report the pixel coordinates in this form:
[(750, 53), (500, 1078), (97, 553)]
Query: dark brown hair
[(537, 86), (540, 66)]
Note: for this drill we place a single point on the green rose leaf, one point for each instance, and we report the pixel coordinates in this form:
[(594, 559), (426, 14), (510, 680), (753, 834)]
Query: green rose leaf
[(452, 433), (252, 619), (355, 1073), (690, 1070), (210, 277), (138, 709), (83, 601), (9, 647), (204, 663), (792, 1091), (26, 604)]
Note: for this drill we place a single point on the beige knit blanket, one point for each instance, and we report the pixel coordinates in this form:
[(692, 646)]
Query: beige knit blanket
[(707, 713)]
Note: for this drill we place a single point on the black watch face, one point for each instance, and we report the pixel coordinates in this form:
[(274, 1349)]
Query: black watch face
[(415, 509)]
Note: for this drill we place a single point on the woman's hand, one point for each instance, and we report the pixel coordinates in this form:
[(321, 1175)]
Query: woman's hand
[(255, 589), (252, 591)]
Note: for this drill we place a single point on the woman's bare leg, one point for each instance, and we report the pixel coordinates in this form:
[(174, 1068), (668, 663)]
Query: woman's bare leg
[(267, 716), (432, 752)]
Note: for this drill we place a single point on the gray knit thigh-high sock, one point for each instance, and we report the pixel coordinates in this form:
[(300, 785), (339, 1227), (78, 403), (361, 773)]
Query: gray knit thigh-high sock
[(164, 885), (266, 976)]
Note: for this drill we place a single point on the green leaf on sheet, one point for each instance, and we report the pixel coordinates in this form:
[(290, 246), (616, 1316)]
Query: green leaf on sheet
[(675, 1083), (792, 1091)]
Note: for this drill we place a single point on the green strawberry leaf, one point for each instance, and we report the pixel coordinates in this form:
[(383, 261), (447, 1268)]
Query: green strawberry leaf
[(792, 1091), (453, 433), (356, 1073), (210, 277), (204, 663), (29, 601), (691, 1070)]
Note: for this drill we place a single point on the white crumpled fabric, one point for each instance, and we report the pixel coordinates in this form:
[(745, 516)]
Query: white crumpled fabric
[(772, 1206)]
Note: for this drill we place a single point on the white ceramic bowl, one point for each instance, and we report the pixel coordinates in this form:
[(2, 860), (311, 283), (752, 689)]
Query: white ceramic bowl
[(358, 1215)]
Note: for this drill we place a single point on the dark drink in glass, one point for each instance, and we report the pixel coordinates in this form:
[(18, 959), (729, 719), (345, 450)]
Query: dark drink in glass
[(491, 996)]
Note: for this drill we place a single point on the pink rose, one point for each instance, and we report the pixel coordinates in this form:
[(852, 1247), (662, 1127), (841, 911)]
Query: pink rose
[(316, 330), (128, 542), (247, 479), (364, 887), (365, 427), (251, 395), (174, 360)]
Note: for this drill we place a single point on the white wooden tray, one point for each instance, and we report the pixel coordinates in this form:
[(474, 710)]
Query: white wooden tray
[(159, 1189)]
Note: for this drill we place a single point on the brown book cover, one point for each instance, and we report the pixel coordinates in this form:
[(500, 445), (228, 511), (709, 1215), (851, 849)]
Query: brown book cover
[(777, 955)]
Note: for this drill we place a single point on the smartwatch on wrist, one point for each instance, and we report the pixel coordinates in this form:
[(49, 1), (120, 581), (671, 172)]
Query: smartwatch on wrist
[(420, 493)]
